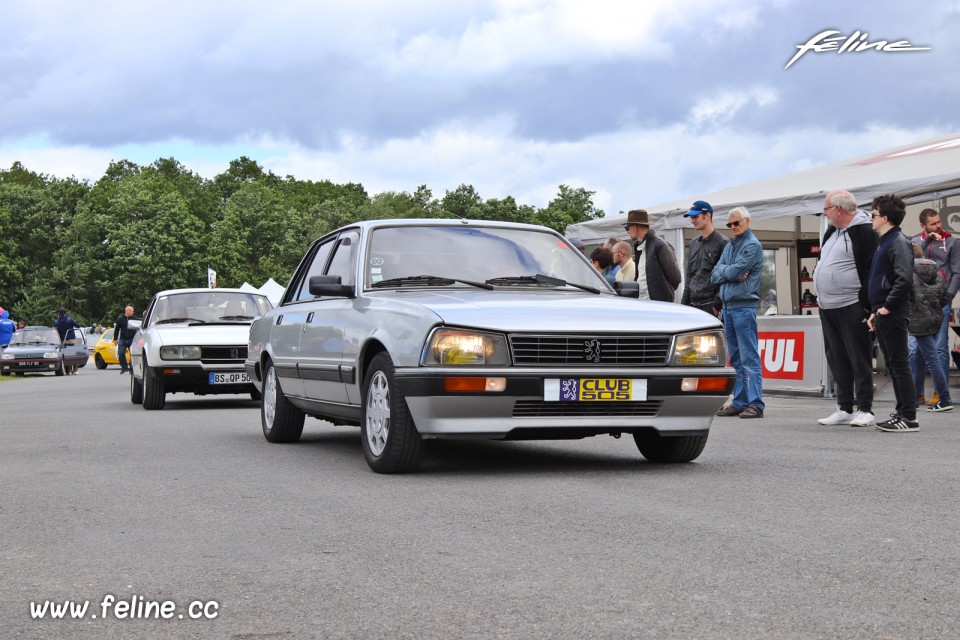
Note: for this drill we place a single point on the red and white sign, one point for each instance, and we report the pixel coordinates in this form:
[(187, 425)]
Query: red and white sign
[(781, 354)]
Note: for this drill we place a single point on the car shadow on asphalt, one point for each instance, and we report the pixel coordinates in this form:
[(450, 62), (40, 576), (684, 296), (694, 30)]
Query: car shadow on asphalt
[(485, 457)]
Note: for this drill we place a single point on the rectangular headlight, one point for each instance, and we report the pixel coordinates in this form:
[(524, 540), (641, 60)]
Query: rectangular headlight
[(180, 353), (9, 356), (447, 347), (706, 349)]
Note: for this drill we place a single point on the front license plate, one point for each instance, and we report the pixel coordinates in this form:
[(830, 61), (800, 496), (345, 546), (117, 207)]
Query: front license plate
[(229, 378), (595, 390), (28, 363)]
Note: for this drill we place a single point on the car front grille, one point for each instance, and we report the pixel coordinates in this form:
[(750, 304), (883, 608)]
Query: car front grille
[(590, 351), (223, 355), (543, 409)]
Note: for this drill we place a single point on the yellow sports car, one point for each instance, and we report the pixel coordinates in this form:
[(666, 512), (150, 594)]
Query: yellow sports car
[(106, 352)]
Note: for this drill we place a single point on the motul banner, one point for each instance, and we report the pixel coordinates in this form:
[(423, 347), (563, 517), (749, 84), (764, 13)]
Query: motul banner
[(791, 353), (781, 354)]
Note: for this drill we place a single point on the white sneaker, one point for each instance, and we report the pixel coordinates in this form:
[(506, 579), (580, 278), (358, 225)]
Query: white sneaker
[(837, 417), (862, 419)]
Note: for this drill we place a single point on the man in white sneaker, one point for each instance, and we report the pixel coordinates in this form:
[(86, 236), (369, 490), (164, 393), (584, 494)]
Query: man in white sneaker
[(841, 279)]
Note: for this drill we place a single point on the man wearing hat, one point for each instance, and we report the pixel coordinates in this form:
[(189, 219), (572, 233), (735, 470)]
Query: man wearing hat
[(657, 271), (705, 250)]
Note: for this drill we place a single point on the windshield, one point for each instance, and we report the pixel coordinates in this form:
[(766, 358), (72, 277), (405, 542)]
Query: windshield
[(474, 254), (35, 336), (209, 306)]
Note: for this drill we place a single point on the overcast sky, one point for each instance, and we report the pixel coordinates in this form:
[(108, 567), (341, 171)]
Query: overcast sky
[(642, 102)]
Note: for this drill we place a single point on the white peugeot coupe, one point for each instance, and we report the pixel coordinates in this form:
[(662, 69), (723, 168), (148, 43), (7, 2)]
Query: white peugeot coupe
[(194, 341)]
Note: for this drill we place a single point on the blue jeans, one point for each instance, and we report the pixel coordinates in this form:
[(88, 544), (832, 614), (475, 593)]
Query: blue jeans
[(928, 355), (123, 352), (740, 324), (917, 364)]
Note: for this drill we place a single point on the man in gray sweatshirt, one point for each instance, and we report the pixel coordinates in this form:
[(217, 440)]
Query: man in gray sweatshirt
[(841, 280)]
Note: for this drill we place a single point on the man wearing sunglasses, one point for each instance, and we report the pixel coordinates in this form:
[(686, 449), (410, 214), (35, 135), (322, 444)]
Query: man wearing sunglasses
[(840, 278), (738, 274), (890, 287)]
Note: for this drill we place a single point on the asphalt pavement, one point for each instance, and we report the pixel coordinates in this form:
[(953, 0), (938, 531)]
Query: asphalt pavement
[(782, 528)]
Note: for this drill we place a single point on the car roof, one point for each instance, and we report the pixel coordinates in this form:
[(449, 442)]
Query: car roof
[(168, 292), (445, 222)]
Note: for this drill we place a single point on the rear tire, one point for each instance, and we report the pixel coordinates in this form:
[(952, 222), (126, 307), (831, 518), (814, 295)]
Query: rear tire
[(391, 442), (280, 419), (154, 395), (99, 361), (136, 390), (657, 448)]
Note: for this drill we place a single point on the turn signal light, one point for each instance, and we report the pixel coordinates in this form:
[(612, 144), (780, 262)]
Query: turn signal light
[(704, 384), (474, 384)]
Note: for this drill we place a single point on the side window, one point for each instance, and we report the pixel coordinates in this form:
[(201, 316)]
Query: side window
[(316, 269), (344, 259)]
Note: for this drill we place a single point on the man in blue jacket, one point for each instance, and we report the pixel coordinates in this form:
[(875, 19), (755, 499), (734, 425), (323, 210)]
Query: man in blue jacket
[(738, 274)]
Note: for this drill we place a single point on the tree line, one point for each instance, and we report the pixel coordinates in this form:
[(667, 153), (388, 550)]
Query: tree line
[(94, 248)]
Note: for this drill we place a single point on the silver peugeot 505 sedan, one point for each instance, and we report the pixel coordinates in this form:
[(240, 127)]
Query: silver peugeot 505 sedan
[(416, 329)]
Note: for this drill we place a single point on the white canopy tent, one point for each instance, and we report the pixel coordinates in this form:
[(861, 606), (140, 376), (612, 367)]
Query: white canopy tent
[(270, 288), (919, 172)]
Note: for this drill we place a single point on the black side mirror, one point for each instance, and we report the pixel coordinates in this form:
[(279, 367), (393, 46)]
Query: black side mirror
[(329, 286), (627, 288)]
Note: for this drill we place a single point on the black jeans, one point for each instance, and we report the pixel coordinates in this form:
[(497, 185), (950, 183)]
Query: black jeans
[(846, 341), (892, 337)]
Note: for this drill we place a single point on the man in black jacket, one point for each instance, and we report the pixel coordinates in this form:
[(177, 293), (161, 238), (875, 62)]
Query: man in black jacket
[(657, 271), (841, 280), (705, 250), (122, 337), (890, 285)]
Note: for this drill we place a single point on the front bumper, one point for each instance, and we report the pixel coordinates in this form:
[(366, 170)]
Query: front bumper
[(196, 379), (521, 410), (36, 365)]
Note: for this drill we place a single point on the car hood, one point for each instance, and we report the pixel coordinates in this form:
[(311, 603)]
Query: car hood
[(549, 311), (202, 334), (24, 349)]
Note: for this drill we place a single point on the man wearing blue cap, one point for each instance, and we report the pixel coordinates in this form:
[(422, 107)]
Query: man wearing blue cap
[(705, 251)]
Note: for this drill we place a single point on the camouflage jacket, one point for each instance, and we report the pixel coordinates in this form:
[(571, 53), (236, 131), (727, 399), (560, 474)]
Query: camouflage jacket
[(929, 298)]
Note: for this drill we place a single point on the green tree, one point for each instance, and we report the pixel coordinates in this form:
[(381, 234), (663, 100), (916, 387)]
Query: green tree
[(569, 207), (258, 237), (461, 201)]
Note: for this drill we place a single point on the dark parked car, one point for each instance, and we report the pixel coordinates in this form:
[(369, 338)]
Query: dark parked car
[(38, 350), (419, 329)]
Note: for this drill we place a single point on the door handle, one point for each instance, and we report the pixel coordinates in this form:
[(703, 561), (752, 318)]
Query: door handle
[(310, 317)]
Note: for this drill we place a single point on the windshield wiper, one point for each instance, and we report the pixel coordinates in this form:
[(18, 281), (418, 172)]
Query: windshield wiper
[(236, 317), (540, 279), (428, 281), (172, 320)]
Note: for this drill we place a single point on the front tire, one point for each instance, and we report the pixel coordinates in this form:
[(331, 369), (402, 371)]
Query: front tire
[(59, 371), (154, 395), (281, 421), (391, 442), (99, 361), (657, 448)]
